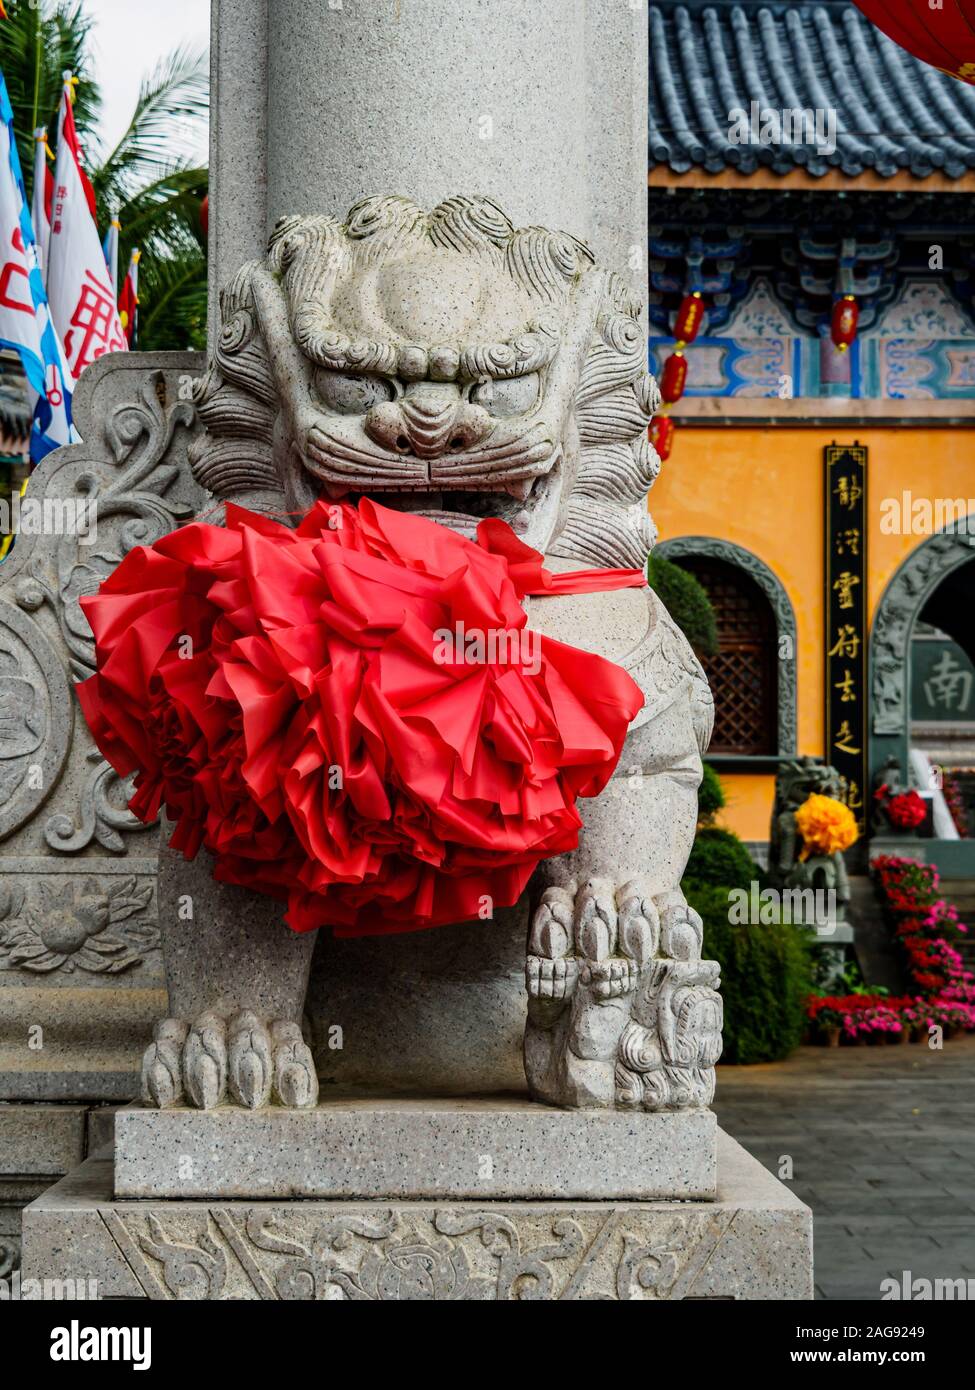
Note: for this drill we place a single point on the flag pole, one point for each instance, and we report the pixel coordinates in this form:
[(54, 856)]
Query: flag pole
[(136, 258), (37, 65), (110, 247), (41, 196)]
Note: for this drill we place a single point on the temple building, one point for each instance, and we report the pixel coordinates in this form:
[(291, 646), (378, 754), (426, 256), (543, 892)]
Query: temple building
[(821, 484)]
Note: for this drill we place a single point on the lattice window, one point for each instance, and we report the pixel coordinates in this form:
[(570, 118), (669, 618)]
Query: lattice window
[(743, 675)]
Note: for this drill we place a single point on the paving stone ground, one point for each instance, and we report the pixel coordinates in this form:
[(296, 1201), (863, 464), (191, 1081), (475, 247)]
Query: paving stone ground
[(882, 1142)]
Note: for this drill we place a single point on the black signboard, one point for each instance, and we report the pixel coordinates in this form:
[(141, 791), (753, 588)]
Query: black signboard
[(846, 620)]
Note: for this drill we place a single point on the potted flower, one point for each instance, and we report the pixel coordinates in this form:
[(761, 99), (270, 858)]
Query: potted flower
[(906, 812), (827, 1017)]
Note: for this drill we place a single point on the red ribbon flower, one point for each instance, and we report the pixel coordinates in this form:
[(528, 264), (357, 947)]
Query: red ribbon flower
[(353, 716)]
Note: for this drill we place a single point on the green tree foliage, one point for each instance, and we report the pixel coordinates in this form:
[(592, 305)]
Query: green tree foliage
[(149, 179), (686, 601), (766, 971)]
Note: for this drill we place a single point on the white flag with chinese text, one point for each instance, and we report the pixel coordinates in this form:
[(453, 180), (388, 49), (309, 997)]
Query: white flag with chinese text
[(25, 322), (78, 286), (43, 192)]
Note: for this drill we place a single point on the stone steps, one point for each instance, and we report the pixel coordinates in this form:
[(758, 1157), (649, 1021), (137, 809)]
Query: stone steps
[(960, 892), (877, 954)]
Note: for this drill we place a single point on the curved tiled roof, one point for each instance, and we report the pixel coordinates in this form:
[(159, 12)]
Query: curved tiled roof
[(893, 112)]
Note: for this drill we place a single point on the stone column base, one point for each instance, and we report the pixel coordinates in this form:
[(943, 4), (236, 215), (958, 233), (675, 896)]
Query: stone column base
[(479, 1149), (753, 1242)]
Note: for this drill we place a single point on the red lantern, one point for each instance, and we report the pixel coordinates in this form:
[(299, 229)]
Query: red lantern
[(843, 324), (205, 215), (661, 432), (673, 377), (689, 317), (942, 35)]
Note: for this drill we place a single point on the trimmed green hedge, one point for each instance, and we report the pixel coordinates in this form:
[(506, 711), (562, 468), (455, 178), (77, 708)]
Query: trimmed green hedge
[(719, 858), (765, 978), (710, 796), (766, 971), (686, 600)]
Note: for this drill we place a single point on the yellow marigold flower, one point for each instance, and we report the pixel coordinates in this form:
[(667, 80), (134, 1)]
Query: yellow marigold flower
[(825, 825)]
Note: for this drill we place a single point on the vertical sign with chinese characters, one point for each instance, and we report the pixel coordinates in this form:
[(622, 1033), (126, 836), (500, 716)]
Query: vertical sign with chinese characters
[(846, 613)]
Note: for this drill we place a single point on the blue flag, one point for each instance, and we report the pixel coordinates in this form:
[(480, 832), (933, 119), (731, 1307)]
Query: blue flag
[(25, 319)]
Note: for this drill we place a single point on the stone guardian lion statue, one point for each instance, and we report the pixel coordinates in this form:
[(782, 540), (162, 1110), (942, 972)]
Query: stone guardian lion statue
[(448, 363)]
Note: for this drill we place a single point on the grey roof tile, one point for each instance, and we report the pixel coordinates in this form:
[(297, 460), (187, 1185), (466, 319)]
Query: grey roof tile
[(893, 112)]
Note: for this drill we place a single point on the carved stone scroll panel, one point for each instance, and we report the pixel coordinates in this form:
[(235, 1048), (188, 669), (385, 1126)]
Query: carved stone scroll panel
[(80, 966)]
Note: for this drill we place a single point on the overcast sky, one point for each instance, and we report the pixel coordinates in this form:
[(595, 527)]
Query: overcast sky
[(129, 39)]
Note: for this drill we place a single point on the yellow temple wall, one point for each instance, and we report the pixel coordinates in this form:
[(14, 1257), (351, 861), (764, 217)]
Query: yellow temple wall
[(762, 487)]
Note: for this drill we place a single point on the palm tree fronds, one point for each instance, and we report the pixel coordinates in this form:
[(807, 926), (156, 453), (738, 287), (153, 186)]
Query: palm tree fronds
[(176, 92), (173, 300), (166, 210), (37, 44), (151, 177)]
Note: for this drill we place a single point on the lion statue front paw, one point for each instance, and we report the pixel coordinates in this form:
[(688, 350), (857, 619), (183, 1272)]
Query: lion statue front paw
[(244, 1060), (620, 1004)]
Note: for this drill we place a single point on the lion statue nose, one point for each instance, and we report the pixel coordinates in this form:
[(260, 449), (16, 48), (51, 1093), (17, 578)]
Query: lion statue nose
[(428, 422)]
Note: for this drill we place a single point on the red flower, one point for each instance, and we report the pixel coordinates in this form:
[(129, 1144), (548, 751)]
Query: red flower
[(290, 697), (906, 811)]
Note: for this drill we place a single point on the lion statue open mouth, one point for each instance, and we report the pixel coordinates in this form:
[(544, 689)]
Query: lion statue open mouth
[(444, 363), (449, 364)]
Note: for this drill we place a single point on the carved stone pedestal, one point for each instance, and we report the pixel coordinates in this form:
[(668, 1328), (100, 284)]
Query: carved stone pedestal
[(489, 1147), (753, 1242)]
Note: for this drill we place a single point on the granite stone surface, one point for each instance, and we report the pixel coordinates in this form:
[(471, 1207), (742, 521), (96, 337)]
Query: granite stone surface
[(41, 1140), (753, 1242), (493, 1147), (101, 1128), (541, 107), (39, 1143), (622, 1010)]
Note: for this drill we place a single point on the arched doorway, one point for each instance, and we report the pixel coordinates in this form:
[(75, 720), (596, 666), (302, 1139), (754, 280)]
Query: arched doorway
[(753, 676), (922, 643)]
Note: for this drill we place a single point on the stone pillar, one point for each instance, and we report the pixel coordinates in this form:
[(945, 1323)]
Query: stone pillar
[(238, 140), (540, 104), (317, 103)]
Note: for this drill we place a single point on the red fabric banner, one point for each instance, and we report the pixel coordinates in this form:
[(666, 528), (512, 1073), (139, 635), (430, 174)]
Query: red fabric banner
[(353, 716)]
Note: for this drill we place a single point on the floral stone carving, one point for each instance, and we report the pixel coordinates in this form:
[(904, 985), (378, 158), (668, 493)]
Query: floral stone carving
[(77, 870), (48, 925)]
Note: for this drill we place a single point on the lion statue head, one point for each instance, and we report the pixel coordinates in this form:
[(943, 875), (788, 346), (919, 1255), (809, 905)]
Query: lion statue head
[(442, 362)]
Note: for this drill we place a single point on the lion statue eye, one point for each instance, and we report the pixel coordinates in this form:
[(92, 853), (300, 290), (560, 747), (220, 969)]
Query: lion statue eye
[(512, 396), (349, 394)]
